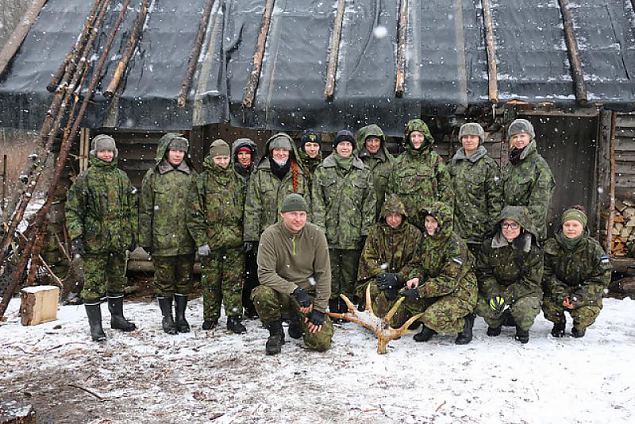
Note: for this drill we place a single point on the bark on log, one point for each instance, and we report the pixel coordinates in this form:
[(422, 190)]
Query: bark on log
[(401, 48), (259, 53), (492, 71), (574, 58), (334, 48), (39, 304)]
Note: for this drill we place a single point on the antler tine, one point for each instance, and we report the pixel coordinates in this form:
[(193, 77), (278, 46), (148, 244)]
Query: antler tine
[(408, 323), (393, 310), (349, 304), (369, 304)]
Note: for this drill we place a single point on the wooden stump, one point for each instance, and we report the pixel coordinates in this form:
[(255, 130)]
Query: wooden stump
[(39, 304), (13, 412)]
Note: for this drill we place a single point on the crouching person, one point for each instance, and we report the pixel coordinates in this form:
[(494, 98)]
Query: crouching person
[(101, 217), (295, 277), (444, 287)]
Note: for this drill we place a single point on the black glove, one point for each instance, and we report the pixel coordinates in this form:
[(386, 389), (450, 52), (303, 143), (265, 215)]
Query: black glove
[(497, 304), (248, 246), (302, 297), (316, 317), (77, 247), (411, 295), (387, 281)]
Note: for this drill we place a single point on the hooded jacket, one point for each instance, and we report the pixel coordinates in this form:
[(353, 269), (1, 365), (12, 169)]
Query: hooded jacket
[(238, 168)]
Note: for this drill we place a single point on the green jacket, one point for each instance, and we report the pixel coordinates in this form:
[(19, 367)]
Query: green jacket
[(309, 165), (530, 183), (478, 194), (265, 192), (511, 270), (101, 208), (380, 164), (163, 207), (578, 269), (343, 202), (216, 202)]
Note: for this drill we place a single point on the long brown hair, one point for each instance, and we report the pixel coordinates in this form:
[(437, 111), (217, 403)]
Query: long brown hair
[(295, 171)]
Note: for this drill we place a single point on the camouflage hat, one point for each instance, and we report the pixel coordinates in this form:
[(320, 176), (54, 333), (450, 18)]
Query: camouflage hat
[(281, 141), (103, 142), (310, 136), (520, 126), (420, 126), (575, 215), (472, 128), (393, 205), (219, 148), (179, 143), (294, 202), (343, 135)]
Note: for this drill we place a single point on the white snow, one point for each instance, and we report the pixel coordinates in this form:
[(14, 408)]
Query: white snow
[(149, 376)]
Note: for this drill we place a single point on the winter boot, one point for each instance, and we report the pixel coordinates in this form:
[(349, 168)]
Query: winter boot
[(465, 336), (165, 303), (235, 326), (558, 329), (208, 324), (295, 328), (181, 324), (425, 334), (493, 331), (93, 312), (117, 320), (508, 319), (522, 335), (276, 338), (578, 333)]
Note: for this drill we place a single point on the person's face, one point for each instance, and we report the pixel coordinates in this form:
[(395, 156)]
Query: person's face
[(280, 155), (431, 225), (244, 158), (294, 220), (572, 228), (511, 229), (175, 157), (222, 161), (373, 144), (416, 139), (344, 148), (105, 155), (312, 149), (393, 219), (470, 143), (519, 141)]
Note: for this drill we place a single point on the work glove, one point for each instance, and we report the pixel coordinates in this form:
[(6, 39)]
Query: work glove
[(248, 246), (77, 247), (497, 304), (204, 250), (411, 295), (316, 317), (302, 297), (387, 280)]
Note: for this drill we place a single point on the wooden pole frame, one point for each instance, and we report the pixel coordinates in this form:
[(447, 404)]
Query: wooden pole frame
[(572, 50), (492, 71), (612, 183), (259, 53), (334, 50), (401, 48)]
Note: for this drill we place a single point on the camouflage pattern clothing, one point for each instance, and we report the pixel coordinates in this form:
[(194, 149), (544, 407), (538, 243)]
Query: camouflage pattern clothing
[(380, 164), (309, 164), (578, 269), (265, 191), (511, 270), (447, 286), (530, 183), (221, 278), (478, 195), (420, 177), (101, 208), (163, 210)]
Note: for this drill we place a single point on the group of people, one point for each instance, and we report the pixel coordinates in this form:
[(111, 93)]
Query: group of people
[(282, 236)]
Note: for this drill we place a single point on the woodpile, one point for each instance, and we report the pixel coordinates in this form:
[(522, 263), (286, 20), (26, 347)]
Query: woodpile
[(623, 230)]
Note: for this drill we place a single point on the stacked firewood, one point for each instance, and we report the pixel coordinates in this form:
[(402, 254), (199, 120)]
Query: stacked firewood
[(623, 231)]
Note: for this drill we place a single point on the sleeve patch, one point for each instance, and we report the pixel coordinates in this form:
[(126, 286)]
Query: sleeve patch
[(604, 259), (458, 260)]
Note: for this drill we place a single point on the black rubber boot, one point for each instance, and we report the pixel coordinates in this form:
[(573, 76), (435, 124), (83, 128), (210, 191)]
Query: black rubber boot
[(295, 328), (276, 338), (235, 326), (93, 312), (165, 303), (425, 334), (493, 331), (522, 335), (182, 325), (465, 336), (558, 329), (208, 324), (117, 320), (578, 333)]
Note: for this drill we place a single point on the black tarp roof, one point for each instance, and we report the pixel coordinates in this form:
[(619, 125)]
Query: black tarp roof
[(446, 66)]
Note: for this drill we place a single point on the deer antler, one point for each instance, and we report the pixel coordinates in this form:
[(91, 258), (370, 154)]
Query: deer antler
[(380, 327)]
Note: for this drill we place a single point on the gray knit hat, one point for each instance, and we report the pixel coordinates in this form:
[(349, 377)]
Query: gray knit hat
[(472, 128), (520, 126), (219, 148), (103, 142), (281, 141), (294, 202)]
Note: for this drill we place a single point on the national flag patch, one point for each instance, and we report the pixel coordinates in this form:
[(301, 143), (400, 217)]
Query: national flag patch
[(604, 259), (458, 260)]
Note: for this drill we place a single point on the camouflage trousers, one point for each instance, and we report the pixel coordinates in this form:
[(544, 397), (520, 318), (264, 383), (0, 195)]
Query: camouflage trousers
[(103, 274), (222, 281), (271, 305), (344, 264), (583, 316), (523, 310), (444, 314), (173, 274)]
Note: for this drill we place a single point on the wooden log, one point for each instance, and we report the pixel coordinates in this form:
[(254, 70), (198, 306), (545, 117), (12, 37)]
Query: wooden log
[(609, 222), (572, 49), (259, 53), (619, 205), (14, 412), (334, 48), (401, 48), (492, 71), (39, 304), (625, 286)]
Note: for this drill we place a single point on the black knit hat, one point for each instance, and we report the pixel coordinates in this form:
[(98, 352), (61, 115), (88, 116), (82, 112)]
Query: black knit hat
[(310, 136), (343, 135)]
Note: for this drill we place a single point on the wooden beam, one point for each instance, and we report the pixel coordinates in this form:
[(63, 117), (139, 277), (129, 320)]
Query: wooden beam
[(19, 34), (259, 53), (572, 50), (492, 71), (401, 48), (613, 167), (334, 48)]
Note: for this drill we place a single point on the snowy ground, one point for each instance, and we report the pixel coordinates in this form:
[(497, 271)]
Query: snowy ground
[(150, 377)]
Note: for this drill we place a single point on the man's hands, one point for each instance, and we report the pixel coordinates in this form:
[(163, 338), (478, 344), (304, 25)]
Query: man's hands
[(568, 303), (204, 250), (302, 297), (389, 284), (315, 320), (248, 246)]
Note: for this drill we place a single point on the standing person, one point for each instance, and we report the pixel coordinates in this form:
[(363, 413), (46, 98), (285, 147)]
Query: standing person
[(295, 277), (419, 175), (527, 178), (344, 204), (509, 269), (372, 150), (478, 188), (163, 211), (101, 217), (244, 156), (442, 286), (216, 224), (577, 271), (310, 152)]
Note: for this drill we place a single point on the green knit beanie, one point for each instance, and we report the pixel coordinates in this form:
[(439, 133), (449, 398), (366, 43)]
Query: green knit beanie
[(219, 148), (294, 202), (575, 214)]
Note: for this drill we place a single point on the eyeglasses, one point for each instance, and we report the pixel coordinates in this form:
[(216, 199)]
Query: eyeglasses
[(510, 225)]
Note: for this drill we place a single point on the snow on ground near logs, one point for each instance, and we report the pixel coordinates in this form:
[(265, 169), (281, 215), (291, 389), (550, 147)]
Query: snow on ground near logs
[(148, 376)]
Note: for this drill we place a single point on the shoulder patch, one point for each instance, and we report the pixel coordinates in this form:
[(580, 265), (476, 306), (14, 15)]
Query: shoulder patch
[(458, 260), (604, 259)]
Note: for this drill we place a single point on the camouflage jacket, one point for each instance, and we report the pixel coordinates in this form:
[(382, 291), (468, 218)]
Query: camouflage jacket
[(579, 270), (478, 194), (216, 202), (265, 192), (343, 202), (101, 208), (530, 183), (309, 165), (163, 207)]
